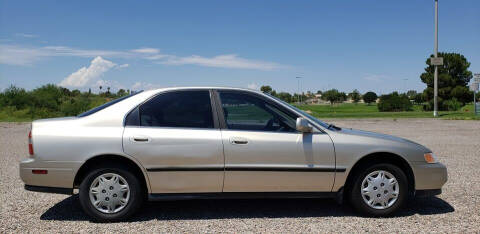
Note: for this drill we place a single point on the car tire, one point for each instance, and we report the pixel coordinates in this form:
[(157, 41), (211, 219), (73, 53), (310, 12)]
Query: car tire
[(134, 198), (374, 196)]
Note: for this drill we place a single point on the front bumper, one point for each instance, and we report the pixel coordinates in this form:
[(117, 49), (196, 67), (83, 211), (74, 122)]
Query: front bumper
[(429, 176), (60, 174)]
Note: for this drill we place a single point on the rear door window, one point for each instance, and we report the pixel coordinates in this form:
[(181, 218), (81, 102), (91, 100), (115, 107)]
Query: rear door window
[(178, 109)]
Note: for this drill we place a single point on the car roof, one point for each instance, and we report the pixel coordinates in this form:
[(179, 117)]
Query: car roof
[(205, 87)]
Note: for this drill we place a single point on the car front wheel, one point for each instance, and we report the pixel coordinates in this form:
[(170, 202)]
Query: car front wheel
[(380, 190), (110, 194)]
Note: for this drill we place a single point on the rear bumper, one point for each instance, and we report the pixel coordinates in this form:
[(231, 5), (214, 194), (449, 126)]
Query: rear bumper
[(429, 176), (59, 175), (44, 189)]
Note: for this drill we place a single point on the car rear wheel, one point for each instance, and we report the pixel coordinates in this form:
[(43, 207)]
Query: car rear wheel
[(380, 190), (110, 194)]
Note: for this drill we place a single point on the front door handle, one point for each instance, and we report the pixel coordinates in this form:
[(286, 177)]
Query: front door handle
[(140, 139), (238, 141)]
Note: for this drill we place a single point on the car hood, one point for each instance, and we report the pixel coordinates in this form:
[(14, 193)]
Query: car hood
[(380, 136)]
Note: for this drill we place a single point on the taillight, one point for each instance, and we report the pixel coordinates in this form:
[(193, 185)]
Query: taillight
[(30, 143), (41, 172)]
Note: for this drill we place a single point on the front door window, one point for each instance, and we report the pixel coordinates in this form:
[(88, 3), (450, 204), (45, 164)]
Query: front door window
[(247, 112)]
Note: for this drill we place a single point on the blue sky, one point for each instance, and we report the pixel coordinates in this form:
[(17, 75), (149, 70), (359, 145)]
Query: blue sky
[(366, 45)]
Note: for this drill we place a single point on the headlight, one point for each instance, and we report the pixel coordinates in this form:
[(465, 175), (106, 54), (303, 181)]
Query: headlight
[(430, 158)]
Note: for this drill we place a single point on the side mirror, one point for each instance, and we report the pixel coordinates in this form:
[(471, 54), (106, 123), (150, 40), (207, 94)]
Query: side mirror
[(302, 125)]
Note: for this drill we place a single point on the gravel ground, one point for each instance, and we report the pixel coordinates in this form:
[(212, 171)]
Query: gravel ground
[(456, 143)]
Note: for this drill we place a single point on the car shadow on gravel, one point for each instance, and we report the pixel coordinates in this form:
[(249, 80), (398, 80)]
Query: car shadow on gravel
[(69, 209)]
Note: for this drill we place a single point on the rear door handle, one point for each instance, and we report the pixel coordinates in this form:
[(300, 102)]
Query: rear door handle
[(140, 139), (238, 141)]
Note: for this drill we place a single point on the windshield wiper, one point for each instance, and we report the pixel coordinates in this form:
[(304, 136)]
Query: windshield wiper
[(334, 127)]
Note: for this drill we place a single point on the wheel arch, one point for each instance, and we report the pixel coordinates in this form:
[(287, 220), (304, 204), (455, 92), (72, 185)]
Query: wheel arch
[(94, 161), (382, 157)]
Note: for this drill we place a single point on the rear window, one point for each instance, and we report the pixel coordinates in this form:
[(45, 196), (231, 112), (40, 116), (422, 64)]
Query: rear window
[(99, 108)]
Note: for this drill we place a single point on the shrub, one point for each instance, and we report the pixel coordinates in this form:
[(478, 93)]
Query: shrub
[(394, 102), (452, 105)]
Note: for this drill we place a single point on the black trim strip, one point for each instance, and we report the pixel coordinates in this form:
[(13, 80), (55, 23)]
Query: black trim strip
[(45, 189), (341, 169), (286, 169), (186, 169), (238, 195)]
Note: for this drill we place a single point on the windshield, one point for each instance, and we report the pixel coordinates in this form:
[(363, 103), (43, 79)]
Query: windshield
[(317, 121), (98, 108)]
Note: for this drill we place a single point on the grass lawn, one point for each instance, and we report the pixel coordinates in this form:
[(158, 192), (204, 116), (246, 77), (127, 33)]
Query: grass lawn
[(349, 110), (346, 110)]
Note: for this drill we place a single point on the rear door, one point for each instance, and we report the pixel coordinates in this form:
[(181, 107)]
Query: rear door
[(265, 153), (175, 135)]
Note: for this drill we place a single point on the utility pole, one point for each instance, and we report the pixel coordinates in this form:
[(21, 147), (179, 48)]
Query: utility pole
[(299, 99), (435, 76)]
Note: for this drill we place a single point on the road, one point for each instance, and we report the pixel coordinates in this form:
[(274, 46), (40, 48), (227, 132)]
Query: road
[(456, 143)]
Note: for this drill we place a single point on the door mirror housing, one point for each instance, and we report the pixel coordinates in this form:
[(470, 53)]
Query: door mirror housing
[(303, 125)]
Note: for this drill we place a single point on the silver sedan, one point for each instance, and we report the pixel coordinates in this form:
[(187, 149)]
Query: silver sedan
[(191, 143)]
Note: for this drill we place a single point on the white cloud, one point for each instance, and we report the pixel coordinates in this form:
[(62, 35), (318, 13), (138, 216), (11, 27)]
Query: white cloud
[(123, 66), (67, 51), (88, 75), (376, 78), (252, 86), (26, 35), (225, 61), (157, 56), (16, 55), (146, 50), (21, 55), (144, 86)]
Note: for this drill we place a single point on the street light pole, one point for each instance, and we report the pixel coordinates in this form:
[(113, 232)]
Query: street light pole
[(299, 99), (435, 76)]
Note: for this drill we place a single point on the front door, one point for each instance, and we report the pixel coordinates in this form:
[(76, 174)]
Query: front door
[(265, 153), (175, 136)]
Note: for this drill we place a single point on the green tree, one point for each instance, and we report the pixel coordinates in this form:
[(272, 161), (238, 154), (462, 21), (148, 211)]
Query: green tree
[(370, 97), (453, 77), (287, 97), (266, 89), (48, 96), (418, 99), (17, 97), (411, 94), (76, 93), (355, 96), (333, 96), (121, 93)]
